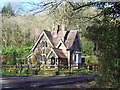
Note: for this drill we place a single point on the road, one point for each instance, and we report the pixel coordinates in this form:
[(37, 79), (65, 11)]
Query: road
[(19, 82)]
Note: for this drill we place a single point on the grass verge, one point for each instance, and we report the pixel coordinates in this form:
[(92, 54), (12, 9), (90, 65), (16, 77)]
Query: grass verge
[(62, 73)]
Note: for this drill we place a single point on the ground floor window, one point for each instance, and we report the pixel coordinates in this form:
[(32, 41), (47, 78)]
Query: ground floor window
[(77, 58), (42, 59)]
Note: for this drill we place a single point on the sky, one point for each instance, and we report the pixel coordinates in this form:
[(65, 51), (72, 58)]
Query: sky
[(2, 3), (21, 3)]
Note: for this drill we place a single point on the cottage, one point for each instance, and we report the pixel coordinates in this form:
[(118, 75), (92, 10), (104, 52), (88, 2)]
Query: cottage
[(58, 47)]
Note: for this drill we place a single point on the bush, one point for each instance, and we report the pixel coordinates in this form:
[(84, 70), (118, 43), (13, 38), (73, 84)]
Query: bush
[(16, 54), (41, 72)]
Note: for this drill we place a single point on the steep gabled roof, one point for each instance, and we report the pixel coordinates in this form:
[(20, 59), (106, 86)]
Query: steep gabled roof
[(58, 53), (48, 36), (60, 43), (69, 37), (48, 33)]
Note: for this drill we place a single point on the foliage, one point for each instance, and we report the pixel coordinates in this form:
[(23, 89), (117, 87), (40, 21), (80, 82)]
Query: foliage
[(105, 34), (18, 30), (16, 54), (7, 11), (87, 47), (91, 60), (74, 20), (103, 31)]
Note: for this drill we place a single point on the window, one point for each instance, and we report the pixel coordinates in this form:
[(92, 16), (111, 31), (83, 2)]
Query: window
[(44, 59), (52, 61), (45, 44), (41, 58), (42, 44), (75, 57)]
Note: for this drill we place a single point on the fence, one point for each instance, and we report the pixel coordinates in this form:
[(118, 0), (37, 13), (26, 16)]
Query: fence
[(46, 67)]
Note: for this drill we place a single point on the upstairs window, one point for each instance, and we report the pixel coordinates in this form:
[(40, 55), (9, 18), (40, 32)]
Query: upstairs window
[(42, 44), (45, 44)]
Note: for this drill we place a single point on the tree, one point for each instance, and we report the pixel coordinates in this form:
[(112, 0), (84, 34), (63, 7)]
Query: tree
[(17, 54), (103, 32), (7, 11), (91, 60), (87, 47)]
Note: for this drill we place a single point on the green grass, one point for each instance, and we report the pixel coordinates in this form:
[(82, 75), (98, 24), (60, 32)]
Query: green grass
[(52, 73), (14, 74), (86, 72)]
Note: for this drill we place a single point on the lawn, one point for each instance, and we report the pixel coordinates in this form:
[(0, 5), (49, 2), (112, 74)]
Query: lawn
[(43, 73)]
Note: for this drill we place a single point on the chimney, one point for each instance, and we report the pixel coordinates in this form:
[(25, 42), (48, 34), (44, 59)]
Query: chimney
[(57, 27), (63, 30), (36, 33), (63, 25)]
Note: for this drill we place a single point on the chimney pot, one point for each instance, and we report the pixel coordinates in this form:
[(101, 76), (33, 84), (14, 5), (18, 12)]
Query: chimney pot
[(63, 29), (63, 25)]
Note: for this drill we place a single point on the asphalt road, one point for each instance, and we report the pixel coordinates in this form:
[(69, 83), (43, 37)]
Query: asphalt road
[(19, 82)]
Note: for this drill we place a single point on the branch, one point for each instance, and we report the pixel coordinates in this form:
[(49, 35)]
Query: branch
[(85, 5), (96, 15), (55, 6), (80, 6)]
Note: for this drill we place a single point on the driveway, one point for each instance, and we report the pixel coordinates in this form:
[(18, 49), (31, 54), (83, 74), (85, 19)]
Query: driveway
[(19, 82)]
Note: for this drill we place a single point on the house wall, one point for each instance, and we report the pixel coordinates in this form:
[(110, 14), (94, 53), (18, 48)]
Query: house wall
[(76, 47), (43, 50)]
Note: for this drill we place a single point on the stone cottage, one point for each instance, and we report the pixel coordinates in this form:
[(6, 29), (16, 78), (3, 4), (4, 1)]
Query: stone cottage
[(58, 47)]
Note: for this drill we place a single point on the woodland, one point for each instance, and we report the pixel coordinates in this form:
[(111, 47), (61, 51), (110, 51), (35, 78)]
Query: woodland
[(98, 25)]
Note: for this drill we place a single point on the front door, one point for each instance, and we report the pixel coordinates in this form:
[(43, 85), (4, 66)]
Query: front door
[(53, 62)]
